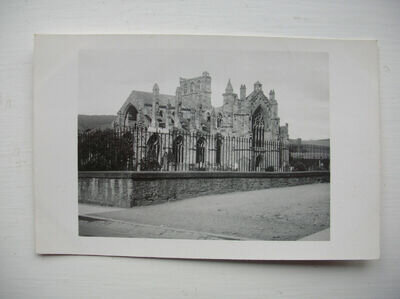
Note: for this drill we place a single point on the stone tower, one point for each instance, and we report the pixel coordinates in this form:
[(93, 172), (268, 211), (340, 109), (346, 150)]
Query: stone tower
[(274, 104), (229, 97), (257, 86), (242, 92), (195, 90)]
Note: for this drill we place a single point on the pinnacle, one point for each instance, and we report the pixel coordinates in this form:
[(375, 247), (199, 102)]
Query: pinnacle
[(229, 88)]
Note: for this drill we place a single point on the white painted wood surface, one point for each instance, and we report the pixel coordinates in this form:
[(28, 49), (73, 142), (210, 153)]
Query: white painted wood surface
[(24, 274)]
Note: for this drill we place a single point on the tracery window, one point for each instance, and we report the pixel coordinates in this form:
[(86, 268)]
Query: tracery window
[(259, 160), (258, 127), (153, 147), (177, 149), (200, 150), (148, 119), (218, 149), (130, 116), (219, 120)]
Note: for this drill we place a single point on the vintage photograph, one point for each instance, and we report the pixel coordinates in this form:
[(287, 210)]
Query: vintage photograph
[(204, 144)]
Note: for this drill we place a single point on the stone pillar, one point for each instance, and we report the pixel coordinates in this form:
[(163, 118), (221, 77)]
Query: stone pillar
[(274, 104), (167, 115), (178, 107), (156, 95), (242, 92), (213, 122), (285, 155), (193, 120)]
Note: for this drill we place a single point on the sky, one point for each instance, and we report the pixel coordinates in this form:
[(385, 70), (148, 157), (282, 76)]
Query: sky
[(300, 80)]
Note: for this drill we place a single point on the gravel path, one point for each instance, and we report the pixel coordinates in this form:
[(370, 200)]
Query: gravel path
[(289, 213)]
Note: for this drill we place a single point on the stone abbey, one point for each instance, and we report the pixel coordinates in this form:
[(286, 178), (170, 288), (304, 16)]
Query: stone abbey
[(190, 110), (185, 132)]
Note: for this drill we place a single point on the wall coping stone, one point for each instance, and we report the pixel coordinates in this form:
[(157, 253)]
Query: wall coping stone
[(168, 175)]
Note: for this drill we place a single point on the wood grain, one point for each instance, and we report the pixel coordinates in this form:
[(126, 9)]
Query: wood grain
[(24, 274)]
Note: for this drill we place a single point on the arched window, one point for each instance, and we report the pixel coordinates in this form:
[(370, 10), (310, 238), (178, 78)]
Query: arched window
[(219, 120), (192, 87), (130, 116), (185, 88), (259, 160), (218, 150), (148, 119), (153, 147), (208, 117), (177, 149), (257, 125), (200, 150)]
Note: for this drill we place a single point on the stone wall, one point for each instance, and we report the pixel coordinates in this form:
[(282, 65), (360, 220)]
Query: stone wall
[(128, 189)]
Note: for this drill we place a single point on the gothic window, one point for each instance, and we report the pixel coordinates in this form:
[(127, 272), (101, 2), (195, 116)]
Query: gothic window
[(208, 117), (258, 127), (192, 87), (185, 88), (131, 116), (259, 160), (200, 150), (148, 119), (219, 120), (153, 147), (218, 150), (177, 149)]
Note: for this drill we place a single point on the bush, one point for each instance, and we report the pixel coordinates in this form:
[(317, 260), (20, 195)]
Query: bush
[(105, 150), (270, 168), (149, 164)]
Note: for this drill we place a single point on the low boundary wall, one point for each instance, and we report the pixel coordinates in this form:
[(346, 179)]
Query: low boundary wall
[(128, 188)]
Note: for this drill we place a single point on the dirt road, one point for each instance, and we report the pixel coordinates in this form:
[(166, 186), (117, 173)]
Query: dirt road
[(288, 213)]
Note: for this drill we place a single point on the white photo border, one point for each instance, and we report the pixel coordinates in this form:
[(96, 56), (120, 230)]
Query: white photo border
[(355, 151)]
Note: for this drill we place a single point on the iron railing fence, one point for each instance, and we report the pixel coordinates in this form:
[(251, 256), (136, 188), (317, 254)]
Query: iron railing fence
[(306, 157), (141, 149)]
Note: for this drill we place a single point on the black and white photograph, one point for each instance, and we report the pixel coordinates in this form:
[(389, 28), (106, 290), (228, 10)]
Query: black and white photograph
[(204, 144)]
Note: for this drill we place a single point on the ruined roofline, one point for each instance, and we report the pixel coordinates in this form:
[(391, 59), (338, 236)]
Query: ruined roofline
[(193, 78), (151, 93), (147, 97)]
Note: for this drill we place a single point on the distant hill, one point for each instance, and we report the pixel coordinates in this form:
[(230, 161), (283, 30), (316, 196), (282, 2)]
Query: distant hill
[(87, 122), (324, 142)]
